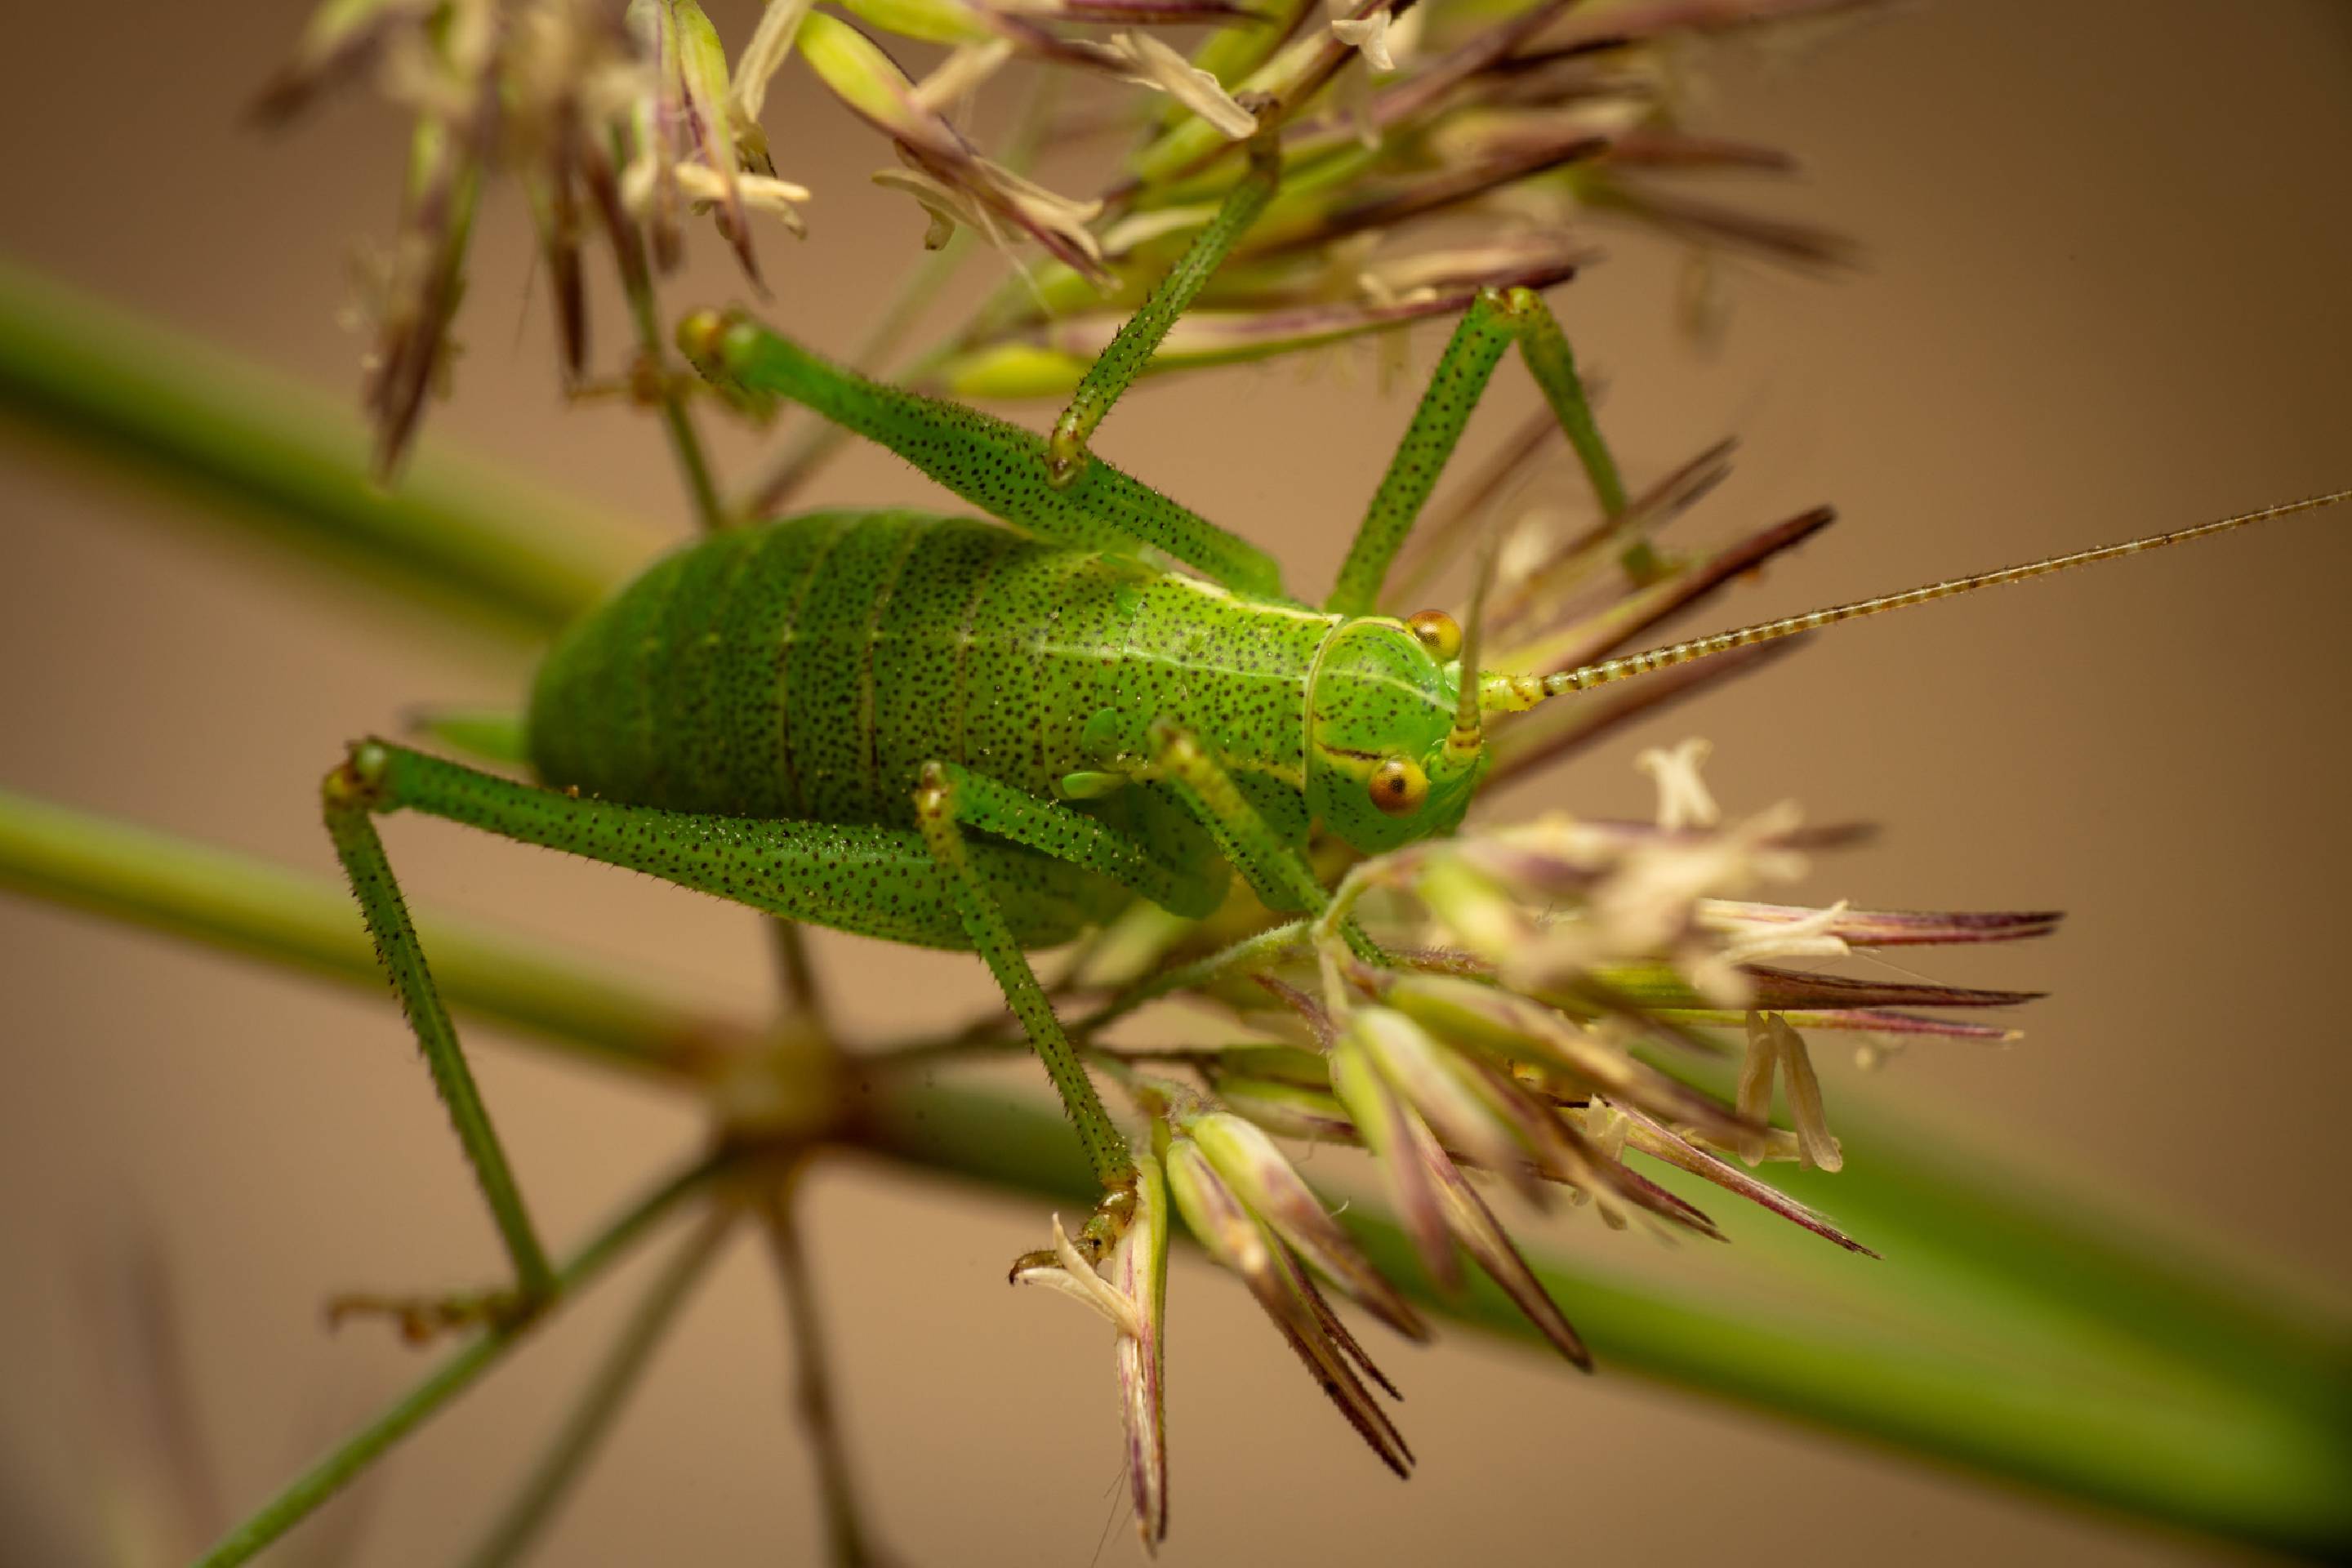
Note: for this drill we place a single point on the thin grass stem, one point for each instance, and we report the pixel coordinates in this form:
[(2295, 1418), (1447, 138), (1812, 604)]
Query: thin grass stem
[(644, 314), (453, 1378), (584, 1428), (237, 903), (804, 990), (848, 1540), (1264, 945)]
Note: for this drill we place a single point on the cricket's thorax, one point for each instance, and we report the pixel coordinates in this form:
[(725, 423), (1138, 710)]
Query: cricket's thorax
[(808, 669)]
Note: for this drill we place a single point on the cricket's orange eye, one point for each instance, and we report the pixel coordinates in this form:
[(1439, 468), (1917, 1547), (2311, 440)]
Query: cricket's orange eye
[(1398, 786), (1437, 633)]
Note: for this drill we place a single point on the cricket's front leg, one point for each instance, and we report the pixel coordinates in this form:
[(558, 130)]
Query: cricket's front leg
[(1276, 871), (1006, 471), (1278, 874), (1500, 318), (1139, 337)]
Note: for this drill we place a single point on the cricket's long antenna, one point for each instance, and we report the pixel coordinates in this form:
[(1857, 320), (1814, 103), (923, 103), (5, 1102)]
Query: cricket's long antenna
[(1515, 693)]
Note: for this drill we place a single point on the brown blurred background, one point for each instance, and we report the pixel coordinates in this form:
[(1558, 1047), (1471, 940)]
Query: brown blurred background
[(2106, 257)]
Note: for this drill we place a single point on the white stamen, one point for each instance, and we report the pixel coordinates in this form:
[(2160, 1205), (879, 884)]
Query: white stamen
[(947, 205), (1065, 215), (1682, 799), (962, 73), (1368, 37), (1809, 937), (1379, 38), (1158, 66), (1805, 1109), (770, 43), (1077, 1279), (701, 183)]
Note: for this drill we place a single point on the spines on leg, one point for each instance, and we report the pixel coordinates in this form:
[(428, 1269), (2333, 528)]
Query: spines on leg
[(871, 880), (349, 797)]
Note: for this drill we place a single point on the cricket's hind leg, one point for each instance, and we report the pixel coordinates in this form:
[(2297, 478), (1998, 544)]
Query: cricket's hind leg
[(877, 881), (1129, 352), (352, 796)]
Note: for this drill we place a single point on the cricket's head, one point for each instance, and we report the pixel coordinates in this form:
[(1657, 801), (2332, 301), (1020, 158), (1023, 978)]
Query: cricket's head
[(1387, 761)]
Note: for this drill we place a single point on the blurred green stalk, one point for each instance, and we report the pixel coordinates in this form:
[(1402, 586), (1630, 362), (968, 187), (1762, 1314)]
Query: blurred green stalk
[(339, 1466), (2161, 1441), (226, 900), (256, 448)]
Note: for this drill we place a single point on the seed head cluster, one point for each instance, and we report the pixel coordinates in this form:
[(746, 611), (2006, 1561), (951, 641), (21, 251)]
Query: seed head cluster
[(1560, 989), (1426, 152)]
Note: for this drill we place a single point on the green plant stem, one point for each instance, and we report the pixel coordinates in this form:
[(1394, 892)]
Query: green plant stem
[(584, 1429), (848, 1541), (636, 269), (243, 905), (677, 421), (316, 1485), (498, 554), (1201, 971), (1971, 1232), (2186, 1450), (803, 991)]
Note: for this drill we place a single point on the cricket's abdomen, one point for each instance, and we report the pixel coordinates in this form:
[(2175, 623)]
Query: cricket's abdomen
[(808, 668)]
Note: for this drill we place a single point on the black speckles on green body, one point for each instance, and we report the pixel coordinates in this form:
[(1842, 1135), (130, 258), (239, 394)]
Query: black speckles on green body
[(829, 698), (807, 668), (1231, 672), (763, 604), (922, 669)]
